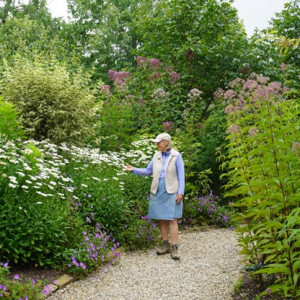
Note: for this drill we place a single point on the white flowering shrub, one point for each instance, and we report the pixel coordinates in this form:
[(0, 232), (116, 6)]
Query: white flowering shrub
[(50, 195)]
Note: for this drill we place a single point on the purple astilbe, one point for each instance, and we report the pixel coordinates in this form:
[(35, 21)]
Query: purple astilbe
[(105, 89), (253, 131), (230, 94), (233, 129), (262, 80), (167, 126), (155, 63), (250, 85), (141, 60), (112, 75), (219, 93), (274, 88), (174, 77), (169, 69), (155, 76), (238, 82), (229, 109)]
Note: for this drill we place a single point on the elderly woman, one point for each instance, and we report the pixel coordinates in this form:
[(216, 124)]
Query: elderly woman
[(167, 190)]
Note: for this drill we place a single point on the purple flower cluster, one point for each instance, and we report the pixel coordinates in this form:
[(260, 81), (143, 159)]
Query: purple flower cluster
[(209, 207), (253, 131), (174, 77), (93, 249), (167, 126), (230, 94), (119, 79), (141, 60), (233, 128), (155, 63), (115, 75), (147, 230), (255, 91), (105, 89)]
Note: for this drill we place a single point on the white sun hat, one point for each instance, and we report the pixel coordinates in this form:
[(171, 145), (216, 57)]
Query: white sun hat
[(162, 136)]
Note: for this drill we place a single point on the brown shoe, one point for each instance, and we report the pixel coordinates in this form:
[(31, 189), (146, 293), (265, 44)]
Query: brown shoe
[(174, 253), (165, 248)]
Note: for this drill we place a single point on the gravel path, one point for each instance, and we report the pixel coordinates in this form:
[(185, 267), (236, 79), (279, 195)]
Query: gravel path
[(208, 269)]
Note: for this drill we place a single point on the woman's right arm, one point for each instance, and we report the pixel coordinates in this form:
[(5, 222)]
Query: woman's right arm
[(144, 171)]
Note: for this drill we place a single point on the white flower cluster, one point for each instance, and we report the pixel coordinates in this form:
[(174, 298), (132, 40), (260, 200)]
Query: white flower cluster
[(48, 180), (194, 94), (160, 94)]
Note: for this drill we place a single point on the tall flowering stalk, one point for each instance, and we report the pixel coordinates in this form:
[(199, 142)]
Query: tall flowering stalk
[(264, 177)]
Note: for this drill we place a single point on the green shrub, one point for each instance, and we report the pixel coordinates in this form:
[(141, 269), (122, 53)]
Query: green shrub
[(51, 104), (9, 124)]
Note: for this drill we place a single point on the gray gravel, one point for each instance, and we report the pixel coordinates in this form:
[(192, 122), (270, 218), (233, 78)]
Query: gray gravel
[(208, 269)]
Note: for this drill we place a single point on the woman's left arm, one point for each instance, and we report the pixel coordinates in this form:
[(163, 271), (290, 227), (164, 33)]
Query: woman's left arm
[(180, 175)]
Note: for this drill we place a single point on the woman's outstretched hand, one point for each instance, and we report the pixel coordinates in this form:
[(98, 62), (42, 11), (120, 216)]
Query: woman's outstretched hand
[(128, 168)]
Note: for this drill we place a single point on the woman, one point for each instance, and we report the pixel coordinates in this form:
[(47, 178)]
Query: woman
[(167, 190)]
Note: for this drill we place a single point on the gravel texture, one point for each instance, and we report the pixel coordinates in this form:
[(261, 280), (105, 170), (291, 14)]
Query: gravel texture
[(208, 269)]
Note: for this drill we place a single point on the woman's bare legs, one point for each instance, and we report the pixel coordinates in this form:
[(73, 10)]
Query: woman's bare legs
[(174, 231), (164, 229)]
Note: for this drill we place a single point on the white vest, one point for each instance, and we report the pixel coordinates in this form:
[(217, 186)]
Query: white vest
[(171, 178)]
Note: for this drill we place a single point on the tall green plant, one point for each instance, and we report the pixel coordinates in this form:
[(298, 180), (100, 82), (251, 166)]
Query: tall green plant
[(263, 177), (9, 124)]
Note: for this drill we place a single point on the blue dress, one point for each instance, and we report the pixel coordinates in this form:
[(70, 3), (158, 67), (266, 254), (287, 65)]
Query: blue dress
[(162, 205)]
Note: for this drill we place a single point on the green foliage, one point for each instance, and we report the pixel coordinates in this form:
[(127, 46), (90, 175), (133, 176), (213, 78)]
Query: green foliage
[(105, 33), (9, 124), (263, 177), (203, 40), (286, 24), (15, 289), (115, 129), (51, 105), (238, 285)]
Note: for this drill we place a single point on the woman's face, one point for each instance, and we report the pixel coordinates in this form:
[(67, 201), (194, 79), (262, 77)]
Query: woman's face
[(162, 146)]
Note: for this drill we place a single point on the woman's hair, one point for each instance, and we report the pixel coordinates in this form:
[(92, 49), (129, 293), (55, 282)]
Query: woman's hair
[(169, 144)]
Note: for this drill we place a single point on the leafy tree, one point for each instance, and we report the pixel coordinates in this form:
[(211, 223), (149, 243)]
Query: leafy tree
[(30, 29), (105, 33), (287, 24), (204, 40)]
